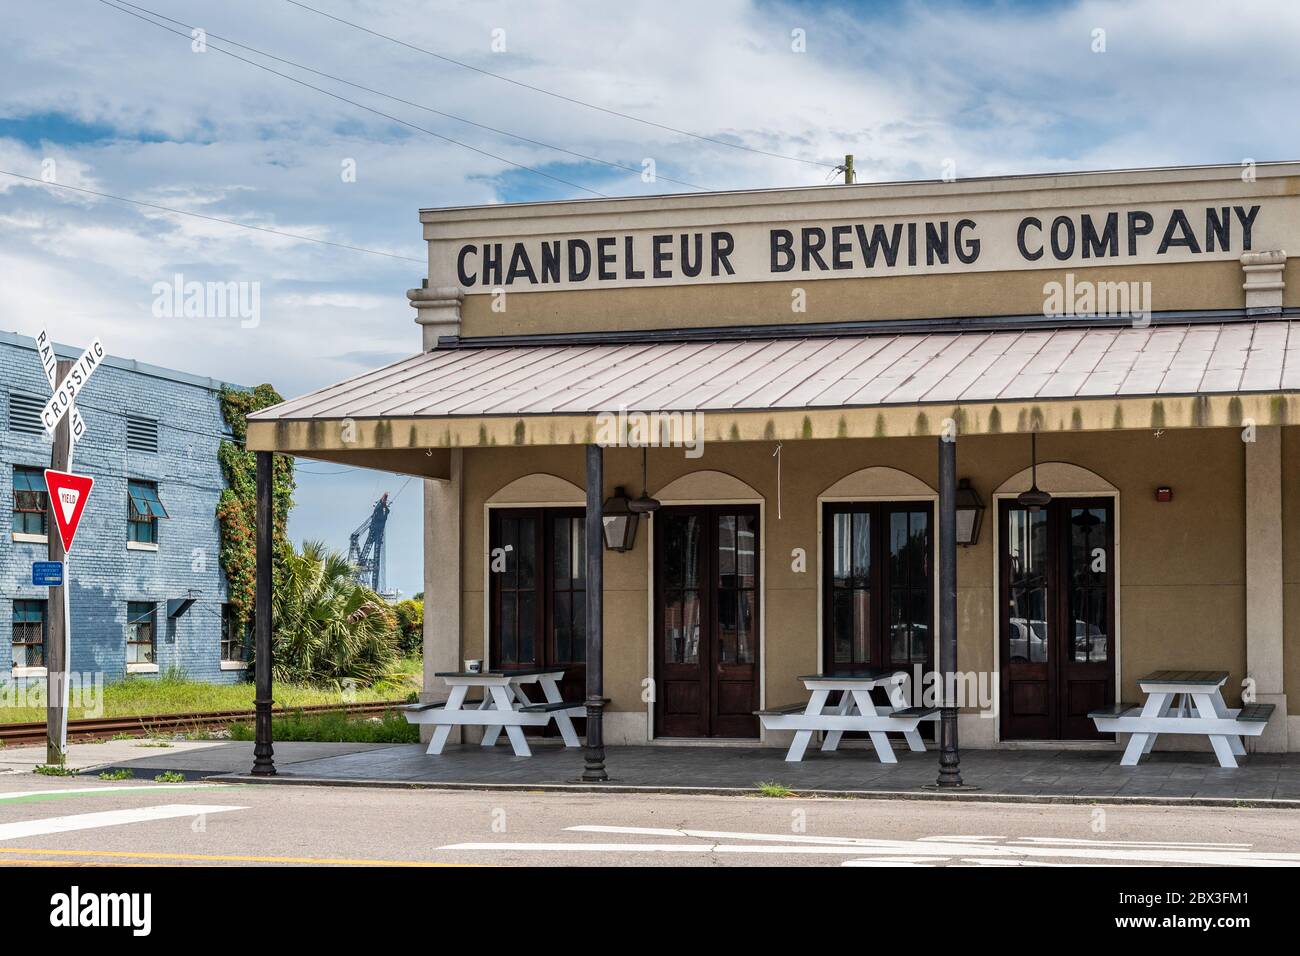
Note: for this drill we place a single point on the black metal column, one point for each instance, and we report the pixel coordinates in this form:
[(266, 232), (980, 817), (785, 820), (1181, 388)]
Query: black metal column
[(949, 757), (594, 754), (263, 762)]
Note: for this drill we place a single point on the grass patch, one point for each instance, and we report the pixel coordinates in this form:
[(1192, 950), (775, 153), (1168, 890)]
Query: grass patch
[(173, 693), (153, 743), (391, 728), (769, 789), (121, 773), (169, 776), (53, 770)]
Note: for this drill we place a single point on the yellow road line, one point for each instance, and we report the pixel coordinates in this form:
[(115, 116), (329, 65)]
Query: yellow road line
[(222, 858)]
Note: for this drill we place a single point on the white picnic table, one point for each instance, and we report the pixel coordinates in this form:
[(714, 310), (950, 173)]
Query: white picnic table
[(1183, 702), (855, 712), (504, 706)]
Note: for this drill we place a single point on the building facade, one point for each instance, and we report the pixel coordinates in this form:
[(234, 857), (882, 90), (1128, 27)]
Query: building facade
[(148, 541), (780, 370)]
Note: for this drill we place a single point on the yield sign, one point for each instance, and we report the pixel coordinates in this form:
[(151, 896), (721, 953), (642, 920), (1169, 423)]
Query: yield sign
[(69, 493)]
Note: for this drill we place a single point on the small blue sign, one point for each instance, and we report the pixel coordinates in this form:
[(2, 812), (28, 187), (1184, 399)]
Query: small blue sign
[(47, 574)]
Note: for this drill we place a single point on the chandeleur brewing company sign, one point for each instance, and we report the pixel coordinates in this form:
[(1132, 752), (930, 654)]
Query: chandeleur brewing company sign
[(69, 493)]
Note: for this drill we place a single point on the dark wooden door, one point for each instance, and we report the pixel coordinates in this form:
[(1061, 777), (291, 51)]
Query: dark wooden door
[(1057, 597), (537, 594), (706, 621)]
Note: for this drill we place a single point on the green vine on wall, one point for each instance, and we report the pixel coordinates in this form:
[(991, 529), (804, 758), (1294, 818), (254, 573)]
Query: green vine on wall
[(237, 507)]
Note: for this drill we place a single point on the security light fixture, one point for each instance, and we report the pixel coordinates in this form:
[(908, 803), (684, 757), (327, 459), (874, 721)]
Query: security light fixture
[(619, 521)]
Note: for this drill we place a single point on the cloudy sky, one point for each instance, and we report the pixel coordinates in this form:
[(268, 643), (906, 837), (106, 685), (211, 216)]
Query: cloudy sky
[(92, 95)]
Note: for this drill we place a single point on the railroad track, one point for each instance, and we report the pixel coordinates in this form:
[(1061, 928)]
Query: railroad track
[(149, 725)]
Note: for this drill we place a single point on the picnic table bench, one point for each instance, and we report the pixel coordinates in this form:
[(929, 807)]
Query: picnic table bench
[(1183, 702), (504, 706), (855, 712)]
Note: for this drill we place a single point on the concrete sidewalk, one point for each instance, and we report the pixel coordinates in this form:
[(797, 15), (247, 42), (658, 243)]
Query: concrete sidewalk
[(1038, 776), (1060, 776), (194, 758)]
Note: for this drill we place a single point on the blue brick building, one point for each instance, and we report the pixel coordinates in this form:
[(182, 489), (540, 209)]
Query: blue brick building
[(148, 541)]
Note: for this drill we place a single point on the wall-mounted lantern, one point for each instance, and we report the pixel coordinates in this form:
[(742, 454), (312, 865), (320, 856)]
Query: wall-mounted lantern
[(970, 514), (619, 521)]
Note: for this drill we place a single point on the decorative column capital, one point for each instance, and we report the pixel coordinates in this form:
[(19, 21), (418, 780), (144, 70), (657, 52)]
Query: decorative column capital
[(437, 311), (1264, 283)]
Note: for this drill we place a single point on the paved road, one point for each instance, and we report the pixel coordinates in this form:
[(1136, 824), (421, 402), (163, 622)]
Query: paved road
[(140, 822)]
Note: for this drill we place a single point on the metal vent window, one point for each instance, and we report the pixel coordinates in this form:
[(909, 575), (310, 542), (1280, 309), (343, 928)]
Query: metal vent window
[(25, 414), (141, 434)]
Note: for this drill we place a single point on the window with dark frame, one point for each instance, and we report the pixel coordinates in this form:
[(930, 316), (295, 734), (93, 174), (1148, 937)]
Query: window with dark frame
[(141, 631), (144, 508), (30, 631), (234, 639), (30, 501)]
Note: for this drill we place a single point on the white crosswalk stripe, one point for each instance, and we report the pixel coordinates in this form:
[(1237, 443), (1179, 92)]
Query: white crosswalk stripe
[(106, 818)]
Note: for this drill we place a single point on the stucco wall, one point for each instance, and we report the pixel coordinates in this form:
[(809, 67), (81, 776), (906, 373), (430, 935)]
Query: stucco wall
[(1199, 285), (1181, 563)]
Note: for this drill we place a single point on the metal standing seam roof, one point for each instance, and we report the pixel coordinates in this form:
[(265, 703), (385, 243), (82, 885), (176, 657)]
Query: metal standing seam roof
[(827, 372)]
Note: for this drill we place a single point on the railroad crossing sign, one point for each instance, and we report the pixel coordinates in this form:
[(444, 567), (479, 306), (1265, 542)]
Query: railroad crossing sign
[(69, 492), (65, 392)]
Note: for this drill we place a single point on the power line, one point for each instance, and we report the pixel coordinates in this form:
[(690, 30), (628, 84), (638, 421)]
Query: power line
[(370, 109), (199, 215), (558, 96), (405, 102)]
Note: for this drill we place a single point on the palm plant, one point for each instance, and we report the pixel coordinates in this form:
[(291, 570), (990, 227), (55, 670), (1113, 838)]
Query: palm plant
[(328, 628)]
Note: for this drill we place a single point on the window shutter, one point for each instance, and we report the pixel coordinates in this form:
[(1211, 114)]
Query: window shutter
[(25, 414), (141, 434)]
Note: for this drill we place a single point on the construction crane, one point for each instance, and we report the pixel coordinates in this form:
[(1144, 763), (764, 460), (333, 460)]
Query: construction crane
[(368, 556)]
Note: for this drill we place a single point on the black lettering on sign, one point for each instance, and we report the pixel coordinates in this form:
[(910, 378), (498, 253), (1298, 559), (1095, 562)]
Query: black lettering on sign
[(968, 250), (911, 243), (551, 261), (1178, 219), (841, 247), (466, 278), (1105, 245), (605, 256), (692, 269), (723, 245), (1218, 228), (577, 246), (492, 263), (1020, 238), (659, 256), (878, 243), (1135, 230), (1062, 250), (936, 243), (520, 266), (1247, 223), (781, 246), (812, 240), (630, 271)]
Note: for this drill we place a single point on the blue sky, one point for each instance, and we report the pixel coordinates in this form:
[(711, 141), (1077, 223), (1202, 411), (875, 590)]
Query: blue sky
[(108, 102)]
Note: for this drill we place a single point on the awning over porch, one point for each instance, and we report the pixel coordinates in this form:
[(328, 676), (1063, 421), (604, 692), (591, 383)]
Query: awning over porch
[(1165, 375)]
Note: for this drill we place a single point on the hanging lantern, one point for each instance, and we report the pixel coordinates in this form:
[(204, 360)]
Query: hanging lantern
[(970, 514), (618, 521), (644, 505), (1035, 499)]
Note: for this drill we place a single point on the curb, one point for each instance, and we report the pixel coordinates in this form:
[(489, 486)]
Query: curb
[(1268, 803)]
